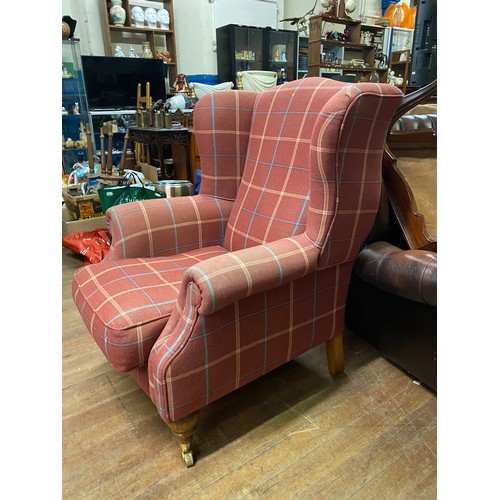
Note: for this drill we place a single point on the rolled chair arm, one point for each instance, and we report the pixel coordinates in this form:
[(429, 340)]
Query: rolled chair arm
[(411, 274), (166, 226), (227, 278)]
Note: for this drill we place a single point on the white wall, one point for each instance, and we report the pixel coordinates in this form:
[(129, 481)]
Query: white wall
[(194, 32), (296, 8)]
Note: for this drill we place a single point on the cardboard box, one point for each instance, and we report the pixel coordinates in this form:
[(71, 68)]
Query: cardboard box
[(82, 206), (70, 225)]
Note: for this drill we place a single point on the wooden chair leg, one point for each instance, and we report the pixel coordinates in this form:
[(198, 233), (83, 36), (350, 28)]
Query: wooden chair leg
[(183, 429), (335, 353)]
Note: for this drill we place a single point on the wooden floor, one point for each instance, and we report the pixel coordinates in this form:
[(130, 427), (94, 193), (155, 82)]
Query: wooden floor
[(368, 433)]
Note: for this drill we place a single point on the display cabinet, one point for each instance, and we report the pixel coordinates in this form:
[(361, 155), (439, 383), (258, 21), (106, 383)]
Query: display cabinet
[(281, 52), (243, 48), (160, 36), (335, 48), (75, 111), (239, 48), (400, 39), (399, 62)]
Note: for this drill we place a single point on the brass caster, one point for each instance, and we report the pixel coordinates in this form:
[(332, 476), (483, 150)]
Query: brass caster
[(188, 458)]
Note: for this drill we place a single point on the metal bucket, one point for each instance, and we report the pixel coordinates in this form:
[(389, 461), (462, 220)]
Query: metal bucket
[(173, 188)]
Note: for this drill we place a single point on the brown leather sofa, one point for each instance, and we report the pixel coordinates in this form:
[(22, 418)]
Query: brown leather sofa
[(392, 301)]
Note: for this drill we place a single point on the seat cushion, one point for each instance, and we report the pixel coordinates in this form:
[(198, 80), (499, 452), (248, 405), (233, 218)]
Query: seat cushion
[(125, 304)]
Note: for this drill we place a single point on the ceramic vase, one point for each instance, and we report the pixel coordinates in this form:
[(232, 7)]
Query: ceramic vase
[(117, 13), (146, 51)]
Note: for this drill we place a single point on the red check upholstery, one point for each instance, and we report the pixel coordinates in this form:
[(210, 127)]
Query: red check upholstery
[(201, 295)]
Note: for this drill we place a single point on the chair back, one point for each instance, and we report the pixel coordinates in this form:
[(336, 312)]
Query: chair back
[(314, 156)]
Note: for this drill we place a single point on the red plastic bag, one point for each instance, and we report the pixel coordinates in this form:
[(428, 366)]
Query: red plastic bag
[(93, 245)]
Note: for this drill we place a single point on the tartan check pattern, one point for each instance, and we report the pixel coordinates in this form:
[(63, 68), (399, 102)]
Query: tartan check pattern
[(290, 188), (200, 358), (166, 226), (222, 123), (125, 304)]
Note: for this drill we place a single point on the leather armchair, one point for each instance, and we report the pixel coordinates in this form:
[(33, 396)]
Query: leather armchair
[(392, 300), (202, 294)]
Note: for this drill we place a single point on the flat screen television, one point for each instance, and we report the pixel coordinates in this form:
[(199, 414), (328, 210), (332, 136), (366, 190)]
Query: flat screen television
[(111, 82), (423, 68)]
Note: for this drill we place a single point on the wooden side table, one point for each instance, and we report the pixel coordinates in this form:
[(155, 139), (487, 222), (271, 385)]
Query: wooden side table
[(160, 137)]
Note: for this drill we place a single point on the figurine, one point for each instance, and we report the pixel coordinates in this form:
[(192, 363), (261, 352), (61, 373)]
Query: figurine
[(381, 58), (165, 55), (131, 52), (164, 19), (151, 17), (65, 73), (83, 135), (281, 77), (301, 21), (75, 110), (391, 79), (146, 51), (181, 83), (119, 52), (137, 15)]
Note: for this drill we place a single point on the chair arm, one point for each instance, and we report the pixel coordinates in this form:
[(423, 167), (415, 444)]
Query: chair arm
[(411, 274), (166, 226), (227, 278)]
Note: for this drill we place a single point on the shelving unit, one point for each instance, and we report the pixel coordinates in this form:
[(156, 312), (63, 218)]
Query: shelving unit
[(341, 57), (73, 91), (159, 39), (399, 63)]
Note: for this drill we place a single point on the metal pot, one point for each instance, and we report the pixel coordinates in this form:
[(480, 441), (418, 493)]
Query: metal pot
[(173, 188)]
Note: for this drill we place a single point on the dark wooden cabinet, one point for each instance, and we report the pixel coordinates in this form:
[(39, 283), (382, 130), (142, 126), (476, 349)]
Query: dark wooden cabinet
[(281, 52), (239, 48), (243, 48)]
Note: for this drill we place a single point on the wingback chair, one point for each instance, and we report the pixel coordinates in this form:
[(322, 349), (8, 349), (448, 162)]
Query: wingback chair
[(202, 294)]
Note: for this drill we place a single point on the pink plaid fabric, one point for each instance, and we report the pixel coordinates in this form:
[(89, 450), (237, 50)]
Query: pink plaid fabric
[(166, 226), (294, 174), (125, 304), (222, 123)]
